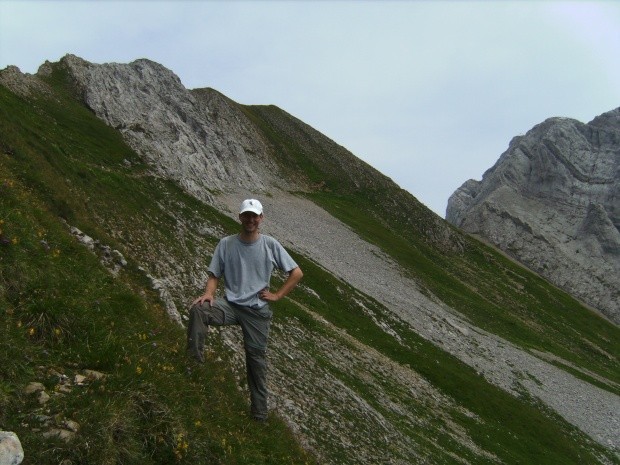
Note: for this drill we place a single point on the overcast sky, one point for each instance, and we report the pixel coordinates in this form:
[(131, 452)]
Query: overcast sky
[(428, 92)]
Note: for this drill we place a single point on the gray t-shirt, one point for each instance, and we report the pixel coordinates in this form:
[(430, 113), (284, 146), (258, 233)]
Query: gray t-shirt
[(247, 267)]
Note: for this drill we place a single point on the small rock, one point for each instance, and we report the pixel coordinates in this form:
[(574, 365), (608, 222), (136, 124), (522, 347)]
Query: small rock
[(93, 375), (70, 425), (44, 397), (120, 259), (59, 433), (64, 389), (33, 388), (11, 452), (42, 418)]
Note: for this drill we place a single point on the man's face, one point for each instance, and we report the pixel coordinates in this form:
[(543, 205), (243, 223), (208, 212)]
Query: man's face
[(250, 221)]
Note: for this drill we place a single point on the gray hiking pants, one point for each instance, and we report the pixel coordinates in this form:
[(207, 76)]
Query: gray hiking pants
[(255, 326)]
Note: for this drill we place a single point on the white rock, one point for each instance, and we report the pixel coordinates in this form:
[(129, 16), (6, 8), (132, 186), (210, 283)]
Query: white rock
[(33, 387), (43, 398), (11, 452)]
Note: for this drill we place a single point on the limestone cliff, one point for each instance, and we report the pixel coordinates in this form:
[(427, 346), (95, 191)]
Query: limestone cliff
[(552, 202), (198, 138)]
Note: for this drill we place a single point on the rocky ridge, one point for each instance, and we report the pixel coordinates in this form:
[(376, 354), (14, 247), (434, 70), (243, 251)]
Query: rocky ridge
[(551, 202), (193, 137)]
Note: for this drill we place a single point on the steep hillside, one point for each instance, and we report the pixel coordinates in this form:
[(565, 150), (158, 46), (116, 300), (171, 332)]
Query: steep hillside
[(87, 322), (408, 342), (551, 201)]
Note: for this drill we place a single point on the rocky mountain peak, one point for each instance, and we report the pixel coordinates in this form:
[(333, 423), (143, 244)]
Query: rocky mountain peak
[(551, 201), (609, 120), (22, 84), (174, 128)]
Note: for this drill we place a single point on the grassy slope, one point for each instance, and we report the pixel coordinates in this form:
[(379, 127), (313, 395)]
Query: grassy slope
[(515, 430), (62, 310), (499, 296)]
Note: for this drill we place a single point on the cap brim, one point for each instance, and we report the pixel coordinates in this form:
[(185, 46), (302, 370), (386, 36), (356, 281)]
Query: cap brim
[(251, 210)]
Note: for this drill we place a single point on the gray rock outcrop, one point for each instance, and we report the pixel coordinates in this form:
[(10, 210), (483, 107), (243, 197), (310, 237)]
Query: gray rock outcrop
[(552, 201), (198, 138)]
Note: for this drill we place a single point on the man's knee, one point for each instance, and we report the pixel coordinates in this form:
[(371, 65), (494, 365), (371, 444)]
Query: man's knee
[(196, 311), (208, 314), (255, 355)]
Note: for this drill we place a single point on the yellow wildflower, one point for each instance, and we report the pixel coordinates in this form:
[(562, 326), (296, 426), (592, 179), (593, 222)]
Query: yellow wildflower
[(181, 446)]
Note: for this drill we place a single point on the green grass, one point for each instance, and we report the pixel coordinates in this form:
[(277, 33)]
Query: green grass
[(62, 312)]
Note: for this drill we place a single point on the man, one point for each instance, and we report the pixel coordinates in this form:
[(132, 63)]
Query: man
[(245, 261)]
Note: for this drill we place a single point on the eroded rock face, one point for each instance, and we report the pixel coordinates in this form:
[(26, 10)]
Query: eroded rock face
[(199, 138), (552, 201)]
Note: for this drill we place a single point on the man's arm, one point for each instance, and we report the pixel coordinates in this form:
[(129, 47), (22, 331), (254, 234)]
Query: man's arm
[(209, 294), (294, 277)]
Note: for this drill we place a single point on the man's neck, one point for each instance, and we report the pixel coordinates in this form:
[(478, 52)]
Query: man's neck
[(249, 236)]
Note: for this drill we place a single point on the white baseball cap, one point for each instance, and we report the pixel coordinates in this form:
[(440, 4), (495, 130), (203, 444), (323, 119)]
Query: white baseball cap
[(251, 205)]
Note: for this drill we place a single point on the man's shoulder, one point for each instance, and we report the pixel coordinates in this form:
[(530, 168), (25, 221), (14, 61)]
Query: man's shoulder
[(269, 240), (226, 242), (228, 239)]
